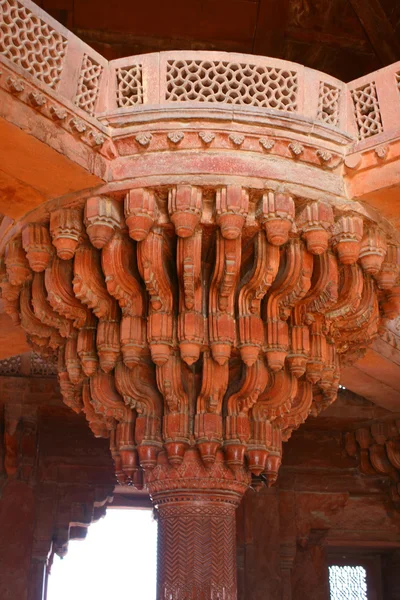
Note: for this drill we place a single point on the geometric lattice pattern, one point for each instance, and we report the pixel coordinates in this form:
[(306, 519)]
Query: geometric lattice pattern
[(10, 366), (348, 583), (88, 84), (367, 111), (232, 83), (42, 367), (130, 86), (37, 366), (31, 43), (328, 103)]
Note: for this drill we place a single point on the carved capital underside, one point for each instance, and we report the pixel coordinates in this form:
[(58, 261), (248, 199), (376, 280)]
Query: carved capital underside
[(192, 317)]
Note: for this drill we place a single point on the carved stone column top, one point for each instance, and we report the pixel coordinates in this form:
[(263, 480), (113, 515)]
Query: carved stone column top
[(192, 319), (193, 482)]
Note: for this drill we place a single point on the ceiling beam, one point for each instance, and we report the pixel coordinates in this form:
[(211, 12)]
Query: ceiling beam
[(378, 29), (269, 33)]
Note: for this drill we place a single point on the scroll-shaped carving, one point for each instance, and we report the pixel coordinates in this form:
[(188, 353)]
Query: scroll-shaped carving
[(152, 257), (238, 406), (41, 334), (127, 447), (137, 386), (318, 349), (122, 281), (276, 400), (17, 266), (315, 222), (277, 338), (42, 309), (393, 452), (66, 227), (102, 217), (190, 319), (58, 281), (86, 346), (71, 394), (118, 260), (347, 236), (208, 428), (295, 294), (140, 212), (381, 463), (329, 371), (222, 296), (254, 383), (37, 245), (373, 251), (232, 204), (105, 398), (276, 213), (364, 321), (390, 269), (322, 294), (97, 423), (299, 411), (184, 207), (253, 288), (72, 362), (88, 282), (176, 408), (351, 285), (108, 339)]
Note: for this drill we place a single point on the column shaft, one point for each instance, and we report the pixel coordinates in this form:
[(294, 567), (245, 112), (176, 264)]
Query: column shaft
[(196, 551)]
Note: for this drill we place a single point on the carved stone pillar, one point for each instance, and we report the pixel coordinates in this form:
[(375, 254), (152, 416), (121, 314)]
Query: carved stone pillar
[(196, 530)]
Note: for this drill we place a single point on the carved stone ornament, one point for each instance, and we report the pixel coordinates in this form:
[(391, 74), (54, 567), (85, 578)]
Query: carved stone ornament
[(207, 136), (200, 286), (144, 139), (176, 137), (236, 138), (197, 328), (267, 144), (151, 299)]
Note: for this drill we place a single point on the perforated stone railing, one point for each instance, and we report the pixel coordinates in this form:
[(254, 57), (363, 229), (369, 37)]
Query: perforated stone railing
[(218, 81), (35, 48), (375, 107)]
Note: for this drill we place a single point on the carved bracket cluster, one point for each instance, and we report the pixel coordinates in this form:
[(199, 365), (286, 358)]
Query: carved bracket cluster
[(189, 317), (377, 448)]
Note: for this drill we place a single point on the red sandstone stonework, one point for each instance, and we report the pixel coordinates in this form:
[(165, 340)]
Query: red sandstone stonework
[(200, 270)]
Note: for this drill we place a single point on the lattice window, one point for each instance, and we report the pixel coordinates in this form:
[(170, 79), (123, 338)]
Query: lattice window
[(234, 83), (348, 583), (10, 366), (328, 103), (31, 43), (367, 111), (88, 84), (130, 86), (42, 367)]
